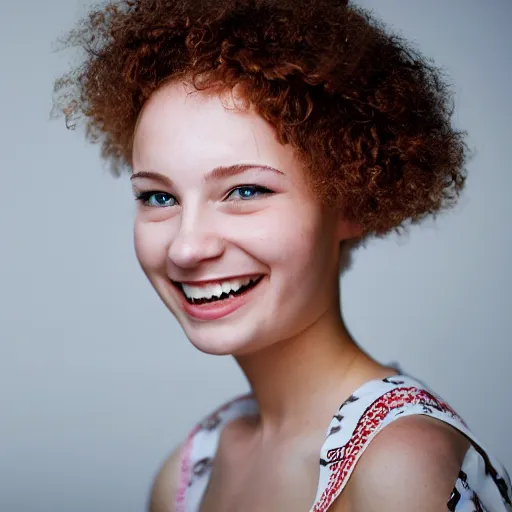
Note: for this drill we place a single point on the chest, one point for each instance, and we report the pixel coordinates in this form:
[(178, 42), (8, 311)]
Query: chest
[(253, 478), (256, 488)]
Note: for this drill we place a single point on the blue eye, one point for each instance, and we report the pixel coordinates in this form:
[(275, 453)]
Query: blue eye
[(246, 192), (156, 199)]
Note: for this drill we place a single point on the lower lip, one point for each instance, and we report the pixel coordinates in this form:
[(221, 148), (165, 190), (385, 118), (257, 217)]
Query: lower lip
[(217, 309)]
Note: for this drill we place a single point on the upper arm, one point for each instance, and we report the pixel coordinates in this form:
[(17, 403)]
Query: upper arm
[(166, 484), (412, 464)]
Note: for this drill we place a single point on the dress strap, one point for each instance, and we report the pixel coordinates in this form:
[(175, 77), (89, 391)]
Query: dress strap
[(200, 449), (374, 406)]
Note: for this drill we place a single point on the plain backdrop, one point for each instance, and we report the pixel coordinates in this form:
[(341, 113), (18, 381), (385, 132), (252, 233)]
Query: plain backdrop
[(98, 382)]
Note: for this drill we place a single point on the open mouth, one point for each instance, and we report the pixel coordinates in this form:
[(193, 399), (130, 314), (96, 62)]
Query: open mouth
[(218, 292)]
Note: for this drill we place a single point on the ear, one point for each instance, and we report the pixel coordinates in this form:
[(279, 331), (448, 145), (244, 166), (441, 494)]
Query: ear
[(348, 230)]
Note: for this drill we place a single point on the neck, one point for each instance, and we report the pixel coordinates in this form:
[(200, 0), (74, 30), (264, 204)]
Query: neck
[(299, 383)]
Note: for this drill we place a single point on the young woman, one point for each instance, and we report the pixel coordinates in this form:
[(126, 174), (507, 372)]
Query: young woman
[(265, 138)]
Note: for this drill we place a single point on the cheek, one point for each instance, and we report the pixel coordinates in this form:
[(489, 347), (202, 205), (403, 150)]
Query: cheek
[(150, 245), (293, 240)]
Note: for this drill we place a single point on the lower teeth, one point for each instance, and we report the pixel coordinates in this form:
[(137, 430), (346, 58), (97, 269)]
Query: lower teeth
[(213, 299)]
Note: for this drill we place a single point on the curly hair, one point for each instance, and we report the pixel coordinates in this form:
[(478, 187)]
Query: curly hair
[(368, 115)]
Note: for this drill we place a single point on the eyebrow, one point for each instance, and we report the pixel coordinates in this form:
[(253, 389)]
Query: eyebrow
[(215, 174)]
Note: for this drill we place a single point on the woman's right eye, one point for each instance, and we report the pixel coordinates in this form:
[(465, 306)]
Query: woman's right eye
[(156, 199)]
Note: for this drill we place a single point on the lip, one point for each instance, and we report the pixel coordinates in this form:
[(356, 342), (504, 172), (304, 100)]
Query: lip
[(206, 282), (214, 310)]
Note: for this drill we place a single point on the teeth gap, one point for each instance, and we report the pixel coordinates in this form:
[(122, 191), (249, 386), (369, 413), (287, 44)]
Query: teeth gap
[(224, 295)]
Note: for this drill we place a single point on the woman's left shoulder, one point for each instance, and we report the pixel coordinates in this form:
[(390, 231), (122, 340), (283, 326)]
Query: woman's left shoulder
[(413, 463)]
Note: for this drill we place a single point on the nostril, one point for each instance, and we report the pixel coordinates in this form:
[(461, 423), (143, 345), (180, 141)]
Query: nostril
[(191, 248)]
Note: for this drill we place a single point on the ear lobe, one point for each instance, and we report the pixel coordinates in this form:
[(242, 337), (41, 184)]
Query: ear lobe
[(348, 230)]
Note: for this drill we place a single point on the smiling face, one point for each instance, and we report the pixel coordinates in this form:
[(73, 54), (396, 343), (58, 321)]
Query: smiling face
[(226, 229)]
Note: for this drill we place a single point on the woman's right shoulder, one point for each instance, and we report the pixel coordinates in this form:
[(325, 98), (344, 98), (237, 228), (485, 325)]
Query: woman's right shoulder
[(204, 436), (166, 483)]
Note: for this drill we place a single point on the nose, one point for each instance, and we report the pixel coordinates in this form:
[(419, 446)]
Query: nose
[(194, 243)]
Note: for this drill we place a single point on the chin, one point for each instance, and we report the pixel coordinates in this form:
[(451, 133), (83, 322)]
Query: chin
[(221, 341), (227, 327)]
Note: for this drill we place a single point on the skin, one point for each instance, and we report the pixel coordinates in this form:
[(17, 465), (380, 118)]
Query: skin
[(293, 347)]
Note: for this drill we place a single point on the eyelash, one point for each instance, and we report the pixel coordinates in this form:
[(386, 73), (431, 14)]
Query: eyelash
[(144, 197)]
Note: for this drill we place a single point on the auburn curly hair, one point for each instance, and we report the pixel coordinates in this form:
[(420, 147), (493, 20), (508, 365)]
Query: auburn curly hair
[(368, 115)]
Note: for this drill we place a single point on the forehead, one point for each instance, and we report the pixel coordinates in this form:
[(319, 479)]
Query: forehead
[(187, 130)]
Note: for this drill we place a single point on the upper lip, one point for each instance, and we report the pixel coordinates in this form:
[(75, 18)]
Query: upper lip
[(205, 282)]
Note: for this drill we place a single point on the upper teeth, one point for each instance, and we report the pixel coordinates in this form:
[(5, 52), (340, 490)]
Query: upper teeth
[(215, 290)]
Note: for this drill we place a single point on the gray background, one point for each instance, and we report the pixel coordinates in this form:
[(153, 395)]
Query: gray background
[(97, 381)]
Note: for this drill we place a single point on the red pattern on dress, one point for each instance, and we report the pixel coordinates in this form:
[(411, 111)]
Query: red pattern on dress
[(187, 449), (341, 461)]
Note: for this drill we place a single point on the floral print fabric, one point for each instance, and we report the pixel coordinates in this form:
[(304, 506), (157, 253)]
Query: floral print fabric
[(482, 485)]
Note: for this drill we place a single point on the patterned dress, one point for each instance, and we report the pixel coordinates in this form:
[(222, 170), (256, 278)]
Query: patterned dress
[(482, 485)]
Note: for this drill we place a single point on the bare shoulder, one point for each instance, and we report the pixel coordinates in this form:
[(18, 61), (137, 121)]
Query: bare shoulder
[(166, 483), (414, 460)]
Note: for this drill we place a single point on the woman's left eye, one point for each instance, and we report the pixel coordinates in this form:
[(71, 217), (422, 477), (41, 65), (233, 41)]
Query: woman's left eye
[(246, 192)]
